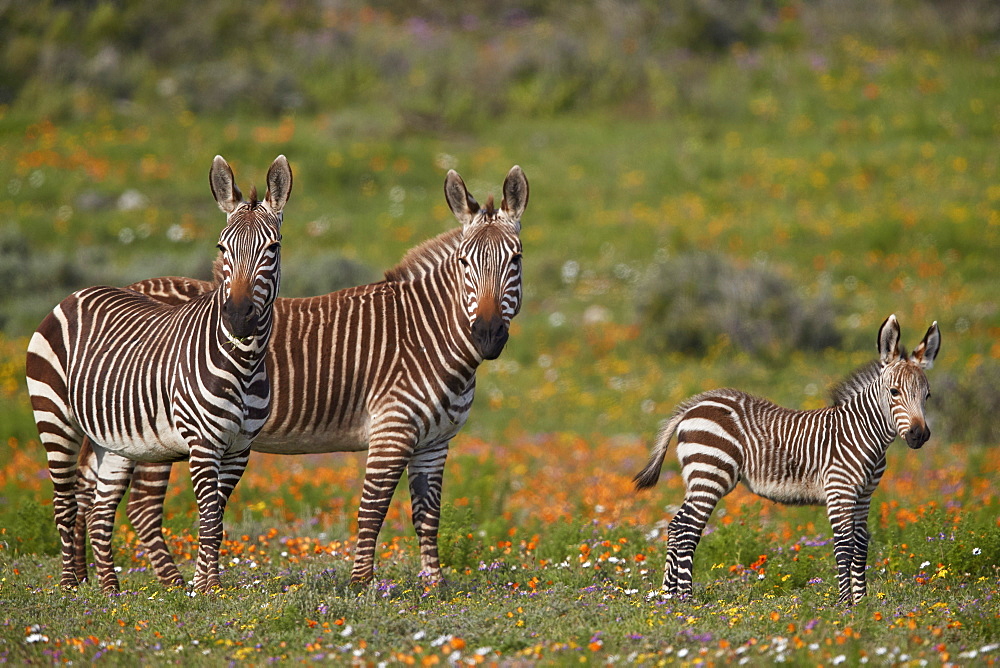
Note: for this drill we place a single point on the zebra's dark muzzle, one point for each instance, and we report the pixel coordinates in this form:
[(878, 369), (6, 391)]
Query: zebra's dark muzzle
[(917, 436), (489, 336), (240, 317)]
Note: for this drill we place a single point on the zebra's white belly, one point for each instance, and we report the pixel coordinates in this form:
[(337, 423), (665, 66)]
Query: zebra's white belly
[(805, 491), (169, 446)]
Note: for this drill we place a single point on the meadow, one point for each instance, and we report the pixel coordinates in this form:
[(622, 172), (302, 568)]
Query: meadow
[(835, 172)]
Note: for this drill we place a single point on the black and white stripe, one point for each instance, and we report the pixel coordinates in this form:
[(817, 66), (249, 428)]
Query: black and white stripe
[(147, 381), (388, 368), (833, 456)]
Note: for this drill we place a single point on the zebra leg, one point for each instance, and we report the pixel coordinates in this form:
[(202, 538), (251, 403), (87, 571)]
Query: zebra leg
[(62, 447), (388, 455), (145, 512), (859, 565), (684, 534), (205, 467), (841, 513), (113, 475), (426, 471), (86, 488), (859, 562), (213, 481)]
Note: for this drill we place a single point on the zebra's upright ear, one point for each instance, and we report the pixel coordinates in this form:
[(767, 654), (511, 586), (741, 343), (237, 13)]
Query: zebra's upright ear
[(279, 184), (888, 340), (925, 353), (223, 184), (515, 194), (462, 204)]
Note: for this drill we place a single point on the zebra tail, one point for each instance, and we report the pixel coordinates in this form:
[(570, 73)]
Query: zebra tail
[(649, 475)]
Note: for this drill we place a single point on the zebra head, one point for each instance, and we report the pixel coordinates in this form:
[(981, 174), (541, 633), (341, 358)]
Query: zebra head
[(250, 245), (904, 382), (490, 258)]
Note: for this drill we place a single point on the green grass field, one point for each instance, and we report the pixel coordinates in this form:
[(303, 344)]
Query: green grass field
[(856, 168)]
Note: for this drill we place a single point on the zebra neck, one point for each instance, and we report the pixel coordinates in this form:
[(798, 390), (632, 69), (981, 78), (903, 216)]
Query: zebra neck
[(866, 416), (438, 297)]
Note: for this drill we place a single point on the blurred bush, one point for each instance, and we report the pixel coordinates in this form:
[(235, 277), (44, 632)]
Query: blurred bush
[(429, 62), (34, 280), (321, 274), (686, 303), (964, 406)]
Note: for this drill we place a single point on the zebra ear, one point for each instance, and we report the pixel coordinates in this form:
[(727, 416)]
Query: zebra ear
[(462, 204), (888, 340), (279, 184), (223, 184), (925, 353), (515, 194)]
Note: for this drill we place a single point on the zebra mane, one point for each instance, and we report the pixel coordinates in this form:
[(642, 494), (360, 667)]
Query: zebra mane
[(253, 201), (421, 259), (859, 380)]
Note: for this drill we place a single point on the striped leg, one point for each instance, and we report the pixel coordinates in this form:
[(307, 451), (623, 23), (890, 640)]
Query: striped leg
[(859, 560), (62, 451), (859, 585), (86, 487), (113, 475), (213, 481), (388, 455), (683, 535), (145, 512), (709, 473), (426, 472), (840, 510), (205, 473)]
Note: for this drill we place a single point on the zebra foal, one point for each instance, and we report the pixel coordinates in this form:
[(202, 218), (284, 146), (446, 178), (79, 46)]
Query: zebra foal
[(147, 381), (831, 456), (388, 367)]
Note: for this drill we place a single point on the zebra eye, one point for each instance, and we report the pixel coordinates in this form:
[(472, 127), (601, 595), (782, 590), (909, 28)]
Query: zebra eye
[(274, 245), (463, 260), (221, 247), (894, 391)]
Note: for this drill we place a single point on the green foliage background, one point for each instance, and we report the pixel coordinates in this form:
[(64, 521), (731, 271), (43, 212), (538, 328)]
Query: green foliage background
[(837, 160)]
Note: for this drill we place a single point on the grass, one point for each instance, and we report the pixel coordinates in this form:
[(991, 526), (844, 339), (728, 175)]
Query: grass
[(539, 574), (857, 166)]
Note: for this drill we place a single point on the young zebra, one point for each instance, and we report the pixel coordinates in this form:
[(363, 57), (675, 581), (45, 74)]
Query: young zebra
[(389, 368), (151, 382), (832, 456)]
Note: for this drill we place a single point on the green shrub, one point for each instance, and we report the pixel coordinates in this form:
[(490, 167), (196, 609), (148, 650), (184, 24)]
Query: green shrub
[(963, 406), (31, 528), (687, 302), (322, 274)]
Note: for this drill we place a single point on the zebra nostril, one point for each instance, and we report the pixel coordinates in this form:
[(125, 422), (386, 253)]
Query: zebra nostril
[(240, 317)]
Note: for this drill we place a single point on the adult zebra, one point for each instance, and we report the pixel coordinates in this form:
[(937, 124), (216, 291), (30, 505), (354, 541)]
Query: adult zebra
[(388, 367), (147, 381), (832, 456)]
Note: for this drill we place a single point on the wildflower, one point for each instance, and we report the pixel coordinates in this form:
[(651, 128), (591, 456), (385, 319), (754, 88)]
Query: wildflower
[(976, 551), (925, 564)]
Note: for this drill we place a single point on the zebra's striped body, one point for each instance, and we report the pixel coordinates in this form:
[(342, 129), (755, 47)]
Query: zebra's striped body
[(832, 456), (388, 367), (152, 382)]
